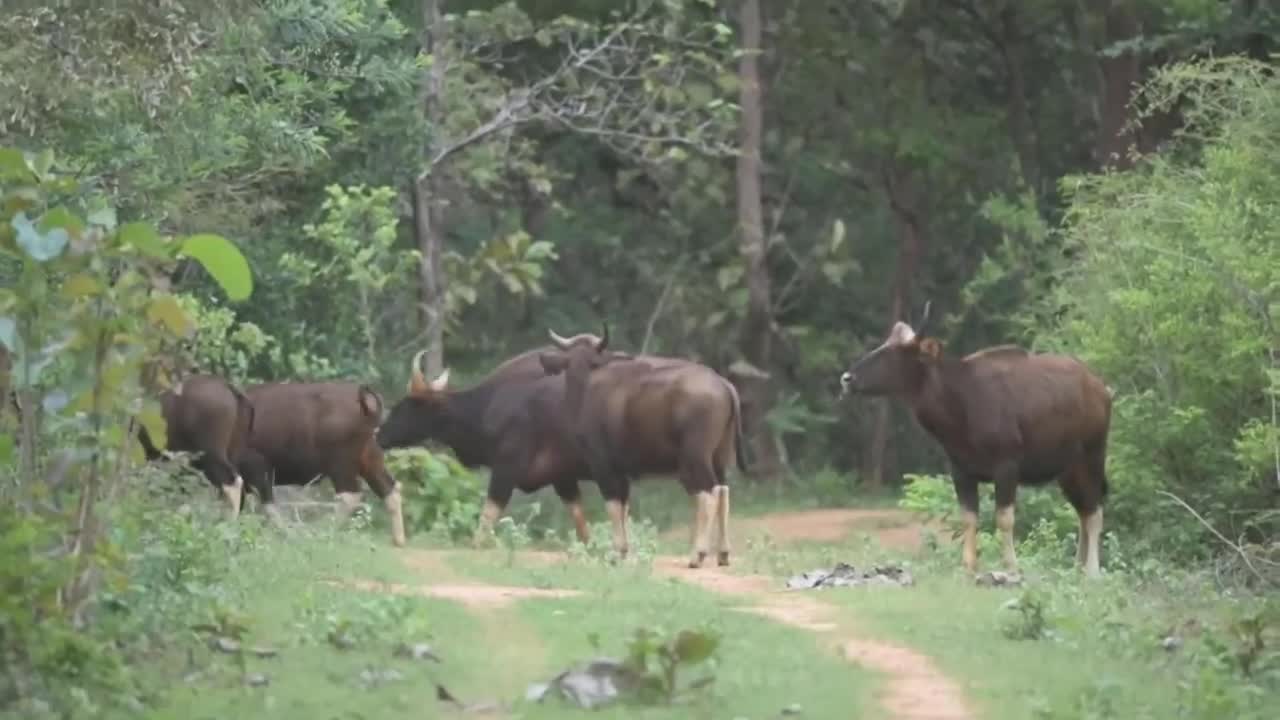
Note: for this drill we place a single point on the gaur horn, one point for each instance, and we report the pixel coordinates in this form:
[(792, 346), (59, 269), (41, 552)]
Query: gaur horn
[(924, 318), (441, 382), (560, 342), (417, 383), (604, 337)]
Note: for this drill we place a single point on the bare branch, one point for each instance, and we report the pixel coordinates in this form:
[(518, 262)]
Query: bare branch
[(1244, 555)]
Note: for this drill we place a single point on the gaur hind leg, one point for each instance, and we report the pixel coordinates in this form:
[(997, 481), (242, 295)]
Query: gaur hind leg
[(720, 495), (699, 480), (1006, 481), (224, 477), (966, 487), (1083, 485), (259, 479), (373, 469)]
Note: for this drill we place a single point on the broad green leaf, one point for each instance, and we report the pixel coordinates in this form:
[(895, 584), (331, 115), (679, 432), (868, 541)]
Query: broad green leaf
[(14, 164), (42, 163), (165, 310), (40, 246), (153, 421), (145, 238), (223, 261), (694, 647), (60, 217), (81, 285)]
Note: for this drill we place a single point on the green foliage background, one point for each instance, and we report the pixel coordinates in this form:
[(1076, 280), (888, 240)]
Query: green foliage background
[(294, 129)]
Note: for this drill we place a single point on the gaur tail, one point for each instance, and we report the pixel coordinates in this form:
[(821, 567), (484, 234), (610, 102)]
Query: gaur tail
[(148, 447), (374, 409), (739, 447), (244, 409)]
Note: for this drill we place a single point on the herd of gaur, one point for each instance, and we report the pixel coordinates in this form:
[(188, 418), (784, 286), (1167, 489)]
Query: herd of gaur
[(577, 410)]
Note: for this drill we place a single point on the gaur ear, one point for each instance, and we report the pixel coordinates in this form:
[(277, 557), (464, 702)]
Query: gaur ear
[(931, 348), (553, 363)]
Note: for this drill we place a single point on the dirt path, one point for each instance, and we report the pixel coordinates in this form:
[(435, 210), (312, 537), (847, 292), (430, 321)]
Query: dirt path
[(894, 529), (916, 689)]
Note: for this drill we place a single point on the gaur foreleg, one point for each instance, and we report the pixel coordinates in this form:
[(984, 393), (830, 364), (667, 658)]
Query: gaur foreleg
[(1005, 478), (571, 495)]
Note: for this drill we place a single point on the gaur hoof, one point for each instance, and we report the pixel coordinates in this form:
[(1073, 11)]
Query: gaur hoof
[(722, 559), (695, 562)]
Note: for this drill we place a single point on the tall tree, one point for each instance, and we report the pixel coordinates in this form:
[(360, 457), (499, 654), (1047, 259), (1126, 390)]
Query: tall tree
[(427, 229), (757, 327)]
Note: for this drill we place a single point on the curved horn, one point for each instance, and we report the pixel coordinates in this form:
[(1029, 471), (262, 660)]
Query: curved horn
[(604, 337), (560, 342), (441, 382), (924, 318), (417, 383)]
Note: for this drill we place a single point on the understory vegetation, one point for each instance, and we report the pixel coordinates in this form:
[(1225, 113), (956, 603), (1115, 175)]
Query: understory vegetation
[(318, 189)]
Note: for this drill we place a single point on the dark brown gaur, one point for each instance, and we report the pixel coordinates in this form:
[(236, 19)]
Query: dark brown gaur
[(508, 422), (303, 430), (212, 419), (634, 416), (1003, 415)]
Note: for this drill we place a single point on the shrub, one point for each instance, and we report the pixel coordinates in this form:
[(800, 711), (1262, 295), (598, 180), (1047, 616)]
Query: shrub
[(440, 495)]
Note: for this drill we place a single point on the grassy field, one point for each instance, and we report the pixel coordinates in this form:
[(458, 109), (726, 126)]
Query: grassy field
[(334, 606), (489, 652)]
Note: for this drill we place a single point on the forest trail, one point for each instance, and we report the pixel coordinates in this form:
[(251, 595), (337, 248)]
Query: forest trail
[(915, 689)]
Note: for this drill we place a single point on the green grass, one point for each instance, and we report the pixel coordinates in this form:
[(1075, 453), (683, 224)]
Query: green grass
[(1101, 654), (489, 653), (1101, 658)]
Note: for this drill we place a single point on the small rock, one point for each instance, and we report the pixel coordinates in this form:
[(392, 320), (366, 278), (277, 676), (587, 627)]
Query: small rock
[(793, 709), (256, 680), (373, 678), (226, 645), (341, 640), (264, 652), (1171, 643), (416, 651), (998, 578)]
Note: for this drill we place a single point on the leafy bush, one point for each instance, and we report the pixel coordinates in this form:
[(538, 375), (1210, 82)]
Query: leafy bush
[(1045, 521), (87, 313), (1175, 300), (440, 495)]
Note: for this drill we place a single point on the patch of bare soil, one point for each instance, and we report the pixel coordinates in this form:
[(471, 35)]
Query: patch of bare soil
[(891, 528), (916, 689)]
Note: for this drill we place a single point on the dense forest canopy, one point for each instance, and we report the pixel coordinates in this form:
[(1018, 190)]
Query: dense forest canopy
[(762, 185)]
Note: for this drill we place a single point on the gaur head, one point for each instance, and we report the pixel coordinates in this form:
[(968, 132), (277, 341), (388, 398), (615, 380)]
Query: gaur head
[(577, 358), (896, 366), (581, 353), (420, 414)]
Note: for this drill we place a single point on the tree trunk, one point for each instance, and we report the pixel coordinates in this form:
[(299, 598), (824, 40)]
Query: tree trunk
[(1119, 77), (756, 333), (427, 229), (1018, 110), (900, 190)]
